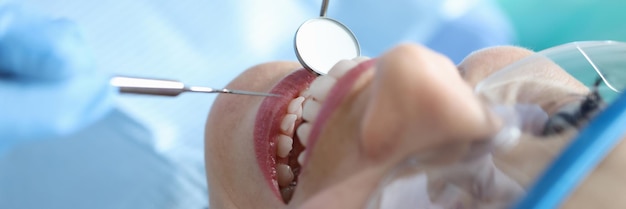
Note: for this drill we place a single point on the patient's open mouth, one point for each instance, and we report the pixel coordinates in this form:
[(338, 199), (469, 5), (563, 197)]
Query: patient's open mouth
[(283, 125)]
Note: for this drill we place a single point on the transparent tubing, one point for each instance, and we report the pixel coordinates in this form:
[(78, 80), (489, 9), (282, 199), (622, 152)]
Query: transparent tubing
[(415, 185)]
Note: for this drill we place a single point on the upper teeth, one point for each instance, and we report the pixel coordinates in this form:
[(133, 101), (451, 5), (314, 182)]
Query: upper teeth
[(303, 132), (344, 66), (311, 109), (321, 86), (318, 91)]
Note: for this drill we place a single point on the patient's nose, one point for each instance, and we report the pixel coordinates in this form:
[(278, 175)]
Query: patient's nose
[(419, 101)]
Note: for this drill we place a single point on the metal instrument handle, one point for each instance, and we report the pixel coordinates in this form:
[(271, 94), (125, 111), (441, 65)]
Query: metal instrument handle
[(148, 86)]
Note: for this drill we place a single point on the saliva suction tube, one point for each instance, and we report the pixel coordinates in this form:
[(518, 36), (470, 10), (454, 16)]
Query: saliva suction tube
[(523, 166)]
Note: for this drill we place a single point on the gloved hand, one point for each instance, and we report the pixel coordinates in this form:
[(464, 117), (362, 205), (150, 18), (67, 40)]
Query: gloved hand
[(48, 83)]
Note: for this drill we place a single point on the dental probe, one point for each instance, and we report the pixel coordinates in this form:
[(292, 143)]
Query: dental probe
[(172, 88)]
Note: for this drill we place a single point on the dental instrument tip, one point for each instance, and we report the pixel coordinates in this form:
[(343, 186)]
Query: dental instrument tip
[(250, 93), (227, 91)]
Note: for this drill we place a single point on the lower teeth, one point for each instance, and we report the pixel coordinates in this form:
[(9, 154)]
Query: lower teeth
[(285, 175), (287, 193)]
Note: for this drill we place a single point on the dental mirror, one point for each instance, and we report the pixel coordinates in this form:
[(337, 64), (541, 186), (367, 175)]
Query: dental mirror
[(322, 42)]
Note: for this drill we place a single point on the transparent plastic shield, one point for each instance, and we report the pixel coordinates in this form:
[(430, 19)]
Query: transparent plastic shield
[(500, 172), (584, 61)]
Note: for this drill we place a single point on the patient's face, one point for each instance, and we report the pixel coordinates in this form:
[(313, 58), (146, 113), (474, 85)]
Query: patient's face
[(329, 140)]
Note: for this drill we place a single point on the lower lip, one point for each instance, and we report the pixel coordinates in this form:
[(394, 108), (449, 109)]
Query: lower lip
[(268, 119)]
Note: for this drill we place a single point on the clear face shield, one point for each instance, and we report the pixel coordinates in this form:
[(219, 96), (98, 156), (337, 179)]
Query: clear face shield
[(543, 151)]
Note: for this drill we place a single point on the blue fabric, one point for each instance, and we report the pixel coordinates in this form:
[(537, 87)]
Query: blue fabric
[(83, 171), (148, 152)]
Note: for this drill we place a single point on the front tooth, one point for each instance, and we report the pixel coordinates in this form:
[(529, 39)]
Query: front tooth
[(303, 132), (310, 110), (341, 68), (285, 143), (321, 86), (288, 123), (295, 106), (285, 175)]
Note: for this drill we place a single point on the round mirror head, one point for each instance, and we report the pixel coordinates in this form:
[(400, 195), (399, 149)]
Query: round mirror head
[(322, 42)]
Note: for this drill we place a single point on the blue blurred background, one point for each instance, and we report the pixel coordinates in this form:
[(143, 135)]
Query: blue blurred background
[(541, 24)]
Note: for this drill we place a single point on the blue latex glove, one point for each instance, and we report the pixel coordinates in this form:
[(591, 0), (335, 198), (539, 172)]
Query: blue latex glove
[(48, 83)]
